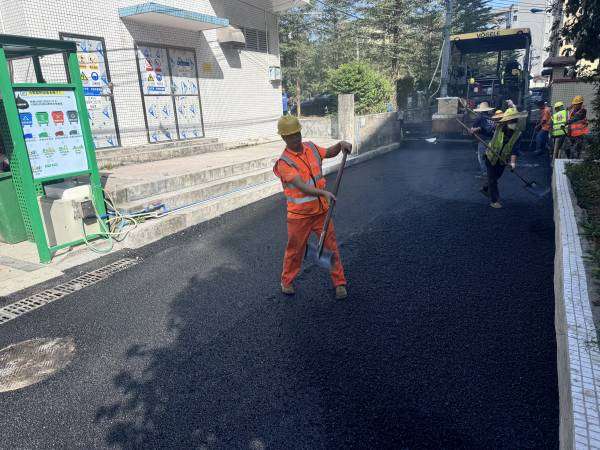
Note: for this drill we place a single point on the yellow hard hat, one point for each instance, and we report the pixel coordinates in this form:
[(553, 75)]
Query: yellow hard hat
[(288, 125), (498, 114), (559, 105), (577, 100)]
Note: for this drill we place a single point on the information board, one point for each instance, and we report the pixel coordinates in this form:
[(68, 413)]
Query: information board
[(154, 70), (93, 68), (183, 68), (52, 132)]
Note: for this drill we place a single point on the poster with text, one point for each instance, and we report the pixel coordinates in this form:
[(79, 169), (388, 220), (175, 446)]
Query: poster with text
[(161, 118), (91, 55), (52, 132), (102, 122), (189, 117), (154, 70), (183, 67)]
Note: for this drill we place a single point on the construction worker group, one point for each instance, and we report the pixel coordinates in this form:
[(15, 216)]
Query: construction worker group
[(503, 131)]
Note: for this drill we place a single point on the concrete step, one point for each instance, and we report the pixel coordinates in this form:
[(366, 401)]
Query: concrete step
[(109, 152), (156, 229), (136, 192), (202, 192), (120, 158)]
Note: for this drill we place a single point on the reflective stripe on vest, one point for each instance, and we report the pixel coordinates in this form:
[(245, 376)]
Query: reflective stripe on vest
[(579, 128), (315, 152), (299, 201), (498, 151), (559, 120), (310, 171)]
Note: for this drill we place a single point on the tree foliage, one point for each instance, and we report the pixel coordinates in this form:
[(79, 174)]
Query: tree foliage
[(399, 39), (582, 31), (372, 91)]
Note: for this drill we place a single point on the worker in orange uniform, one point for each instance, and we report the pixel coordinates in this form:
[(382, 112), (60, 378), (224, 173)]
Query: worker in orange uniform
[(300, 169), (543, 128), (577, 121)]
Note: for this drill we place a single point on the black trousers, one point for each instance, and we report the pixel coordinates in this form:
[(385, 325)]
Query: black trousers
[(494, 172)]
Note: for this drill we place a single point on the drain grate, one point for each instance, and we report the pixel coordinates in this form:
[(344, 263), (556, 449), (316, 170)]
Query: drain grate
[(14, 310)]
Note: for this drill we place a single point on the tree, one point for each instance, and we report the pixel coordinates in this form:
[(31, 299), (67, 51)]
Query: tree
[(372, 91), (472, 15), (297, 51), (581, 30)]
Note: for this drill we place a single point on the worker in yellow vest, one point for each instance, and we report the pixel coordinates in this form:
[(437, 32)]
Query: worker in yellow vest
[(559, 128)]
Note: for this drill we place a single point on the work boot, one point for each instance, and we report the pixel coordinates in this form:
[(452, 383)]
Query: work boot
[(496, 205), (340, 292), (287, 290)]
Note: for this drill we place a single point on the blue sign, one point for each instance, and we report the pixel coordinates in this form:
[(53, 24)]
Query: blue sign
[(95, 76), (92, 91), (26, 118)]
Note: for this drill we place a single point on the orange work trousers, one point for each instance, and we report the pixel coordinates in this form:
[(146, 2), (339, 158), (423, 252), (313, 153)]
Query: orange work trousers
[(298, 233)]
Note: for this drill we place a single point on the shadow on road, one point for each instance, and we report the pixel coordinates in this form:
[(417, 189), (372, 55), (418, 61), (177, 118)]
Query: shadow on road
[(447, 341)]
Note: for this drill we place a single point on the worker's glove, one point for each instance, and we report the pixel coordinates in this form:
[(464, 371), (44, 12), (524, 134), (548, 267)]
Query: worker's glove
[(346, 146), (329, 196)]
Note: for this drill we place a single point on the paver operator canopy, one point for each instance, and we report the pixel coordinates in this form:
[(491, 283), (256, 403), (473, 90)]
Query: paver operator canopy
[(475, 80)]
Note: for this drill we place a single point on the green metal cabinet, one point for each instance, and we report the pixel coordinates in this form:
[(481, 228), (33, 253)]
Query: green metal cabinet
[(24, 143)]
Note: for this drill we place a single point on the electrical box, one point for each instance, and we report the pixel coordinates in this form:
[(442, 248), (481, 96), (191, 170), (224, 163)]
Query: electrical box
[(67, 213)]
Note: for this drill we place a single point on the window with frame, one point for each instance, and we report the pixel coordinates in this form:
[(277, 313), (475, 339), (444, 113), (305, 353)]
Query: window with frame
[(256, 40)]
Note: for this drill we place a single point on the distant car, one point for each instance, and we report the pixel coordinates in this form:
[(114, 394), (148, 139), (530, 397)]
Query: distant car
[(319, 105)]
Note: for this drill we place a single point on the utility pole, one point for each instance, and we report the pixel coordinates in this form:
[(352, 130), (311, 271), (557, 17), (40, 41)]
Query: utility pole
[(557, 13), (509, 17), (446, 49)]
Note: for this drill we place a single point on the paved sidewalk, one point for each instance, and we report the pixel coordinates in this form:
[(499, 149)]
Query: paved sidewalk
[(157, 170)]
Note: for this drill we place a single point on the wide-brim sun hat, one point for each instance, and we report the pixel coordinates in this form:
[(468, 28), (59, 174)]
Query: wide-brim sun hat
[(513, 115), (483, 107), (498, 114)]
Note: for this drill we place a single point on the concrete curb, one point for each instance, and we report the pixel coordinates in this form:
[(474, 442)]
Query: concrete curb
[(578, 355)]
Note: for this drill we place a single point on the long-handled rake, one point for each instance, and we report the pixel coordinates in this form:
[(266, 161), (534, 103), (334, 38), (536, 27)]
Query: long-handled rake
[(530, 186)]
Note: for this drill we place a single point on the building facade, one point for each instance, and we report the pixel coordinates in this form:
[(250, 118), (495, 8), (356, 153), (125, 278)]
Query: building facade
[(535, 15), (155, 72)]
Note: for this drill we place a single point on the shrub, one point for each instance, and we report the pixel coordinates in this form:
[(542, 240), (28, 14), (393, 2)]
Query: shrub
[(372, 91)]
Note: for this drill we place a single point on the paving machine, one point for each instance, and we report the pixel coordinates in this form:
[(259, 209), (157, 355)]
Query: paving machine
[(491, 66)]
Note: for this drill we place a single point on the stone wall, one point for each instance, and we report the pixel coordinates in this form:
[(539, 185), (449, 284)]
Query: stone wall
[(376, 130), (320, 127)]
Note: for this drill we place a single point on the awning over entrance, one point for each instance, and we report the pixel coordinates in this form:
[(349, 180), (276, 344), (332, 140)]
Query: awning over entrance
[(155, 14), (492, 40)]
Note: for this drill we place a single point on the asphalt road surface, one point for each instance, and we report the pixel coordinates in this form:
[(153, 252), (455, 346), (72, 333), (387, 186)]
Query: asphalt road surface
[(446, 341)]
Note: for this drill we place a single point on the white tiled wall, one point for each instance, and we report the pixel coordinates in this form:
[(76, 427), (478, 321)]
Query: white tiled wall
[(238, 100)]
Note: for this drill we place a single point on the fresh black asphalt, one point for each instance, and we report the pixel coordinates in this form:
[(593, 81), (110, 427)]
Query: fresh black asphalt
[(446, 341)]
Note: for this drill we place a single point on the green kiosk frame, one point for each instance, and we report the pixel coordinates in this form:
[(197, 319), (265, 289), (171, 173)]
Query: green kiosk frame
[(37, 161)]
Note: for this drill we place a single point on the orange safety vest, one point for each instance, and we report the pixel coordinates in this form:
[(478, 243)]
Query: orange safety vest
[(299, 203), (579, 128)]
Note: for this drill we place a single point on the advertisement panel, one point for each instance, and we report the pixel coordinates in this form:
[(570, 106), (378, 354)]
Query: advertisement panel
[(154, 70), (102, 121), (161, 118), (183, 67), (95, 78), (189, 117), (52, 132)]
